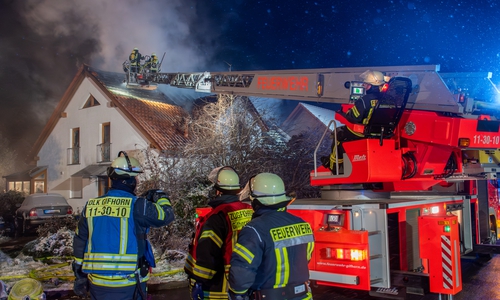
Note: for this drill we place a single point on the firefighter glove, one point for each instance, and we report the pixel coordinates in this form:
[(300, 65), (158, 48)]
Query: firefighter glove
[(154, 195), (80, 286)]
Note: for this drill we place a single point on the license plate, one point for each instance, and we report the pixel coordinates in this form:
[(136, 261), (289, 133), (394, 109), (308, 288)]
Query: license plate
[(51, 211)]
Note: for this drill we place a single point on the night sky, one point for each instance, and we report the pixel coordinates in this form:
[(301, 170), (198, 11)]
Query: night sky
[(43, 42)]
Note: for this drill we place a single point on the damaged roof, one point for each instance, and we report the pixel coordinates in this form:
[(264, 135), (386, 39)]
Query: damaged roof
[(161, 114)]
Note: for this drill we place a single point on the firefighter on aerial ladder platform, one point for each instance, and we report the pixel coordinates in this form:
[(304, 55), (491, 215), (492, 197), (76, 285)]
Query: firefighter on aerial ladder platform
[(135, 60), (152, 64), (270, 259), (207, 264), (360, 113)]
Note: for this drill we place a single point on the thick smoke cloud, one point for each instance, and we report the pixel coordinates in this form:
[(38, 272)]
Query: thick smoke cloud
[(44, 42)]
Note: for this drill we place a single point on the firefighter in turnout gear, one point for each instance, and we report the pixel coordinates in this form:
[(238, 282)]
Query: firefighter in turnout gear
[(112, 253), (360, 113), (270, 259), (135, 60), (207, 264), (152, 64)]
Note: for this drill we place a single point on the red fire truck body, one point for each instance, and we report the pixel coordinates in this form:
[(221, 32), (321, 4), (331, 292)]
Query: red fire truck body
[(416, 194)]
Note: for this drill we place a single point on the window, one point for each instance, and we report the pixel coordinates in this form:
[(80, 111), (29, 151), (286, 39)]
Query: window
[(76, 187), (104, 184), (104, 149), (91, 101), (20, 186), (74, 151), (40, 182)]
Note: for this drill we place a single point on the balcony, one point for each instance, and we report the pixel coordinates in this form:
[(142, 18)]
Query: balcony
[(104, 152), (73, 155)]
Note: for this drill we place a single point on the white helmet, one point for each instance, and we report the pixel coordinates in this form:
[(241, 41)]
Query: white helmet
[(373, 77), (268, 188), (124, 167), (225, 178)]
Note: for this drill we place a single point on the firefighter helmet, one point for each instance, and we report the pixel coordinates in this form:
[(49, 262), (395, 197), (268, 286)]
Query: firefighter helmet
[(124, 167), (373, 77), (225, 178), (268, 189)]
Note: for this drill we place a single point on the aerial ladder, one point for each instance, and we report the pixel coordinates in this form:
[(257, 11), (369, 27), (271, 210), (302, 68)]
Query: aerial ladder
[(416, 195)]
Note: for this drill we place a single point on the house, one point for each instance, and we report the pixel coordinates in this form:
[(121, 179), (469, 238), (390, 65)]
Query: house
[(96, 118)]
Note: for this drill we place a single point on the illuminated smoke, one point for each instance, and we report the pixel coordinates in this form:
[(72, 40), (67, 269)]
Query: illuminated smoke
[(44, 42)]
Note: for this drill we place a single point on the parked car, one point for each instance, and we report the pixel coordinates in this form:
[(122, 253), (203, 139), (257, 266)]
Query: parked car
[(37, 209)]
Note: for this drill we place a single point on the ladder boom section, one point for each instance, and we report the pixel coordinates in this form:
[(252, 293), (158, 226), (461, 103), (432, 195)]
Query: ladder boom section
[(430, 92)]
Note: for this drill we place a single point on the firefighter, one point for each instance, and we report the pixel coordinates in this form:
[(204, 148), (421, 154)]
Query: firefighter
[(152, 64), (135, 60), (270, 259), (207, 264), (360, 113), (112, 253)]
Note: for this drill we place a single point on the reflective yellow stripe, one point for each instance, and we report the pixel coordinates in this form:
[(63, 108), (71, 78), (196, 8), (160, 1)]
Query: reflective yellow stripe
[(282, 267), (355, 111), (203, 272), (215, 295), (310, 248), (161, 213), (163, 201), (211, 235), (244, 253), (123, 235), (115, 281)]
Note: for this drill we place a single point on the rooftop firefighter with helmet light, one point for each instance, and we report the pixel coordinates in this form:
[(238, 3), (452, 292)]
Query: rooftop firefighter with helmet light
[(270, 259), (360, 113), (207, 264), (112, 253)]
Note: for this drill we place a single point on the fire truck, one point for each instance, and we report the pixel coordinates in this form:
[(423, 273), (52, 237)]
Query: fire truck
[(416, 195)]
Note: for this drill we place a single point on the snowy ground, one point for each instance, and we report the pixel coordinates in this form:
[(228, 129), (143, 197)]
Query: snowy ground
[(56, 274)]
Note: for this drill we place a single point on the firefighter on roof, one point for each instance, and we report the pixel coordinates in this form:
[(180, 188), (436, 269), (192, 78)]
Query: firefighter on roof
[(112, 254), (360, 113), (270, 259), (152, 64), (207, 264), (135, 60)]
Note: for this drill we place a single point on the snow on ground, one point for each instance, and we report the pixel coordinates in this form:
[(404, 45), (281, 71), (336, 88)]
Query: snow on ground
[(57, 275)]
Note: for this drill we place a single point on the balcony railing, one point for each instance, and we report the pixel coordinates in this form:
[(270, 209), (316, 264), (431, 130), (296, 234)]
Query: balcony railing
[(104, 152), (73, 156)]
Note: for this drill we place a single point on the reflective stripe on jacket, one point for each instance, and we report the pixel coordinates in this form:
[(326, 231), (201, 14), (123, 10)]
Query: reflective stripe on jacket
[(111, 253), (273, 251), (210, 254)]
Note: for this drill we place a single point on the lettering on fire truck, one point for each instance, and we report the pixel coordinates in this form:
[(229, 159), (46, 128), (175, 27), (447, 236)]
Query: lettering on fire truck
[(292, 83), (358, 157)]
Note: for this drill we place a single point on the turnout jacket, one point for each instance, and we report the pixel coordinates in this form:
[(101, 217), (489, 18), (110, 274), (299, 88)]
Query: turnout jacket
[(111, 236), (272, 252), (209, 255), (361, 112)]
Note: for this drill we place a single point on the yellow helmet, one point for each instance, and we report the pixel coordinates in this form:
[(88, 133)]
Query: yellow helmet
[(373, 77), (124, 167), (268, 188), (225, 178)]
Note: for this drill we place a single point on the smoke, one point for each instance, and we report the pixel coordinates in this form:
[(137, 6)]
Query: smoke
[(43, 42)]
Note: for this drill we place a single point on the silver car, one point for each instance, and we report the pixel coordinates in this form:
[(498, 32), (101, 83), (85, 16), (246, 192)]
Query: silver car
[(37, 209)]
